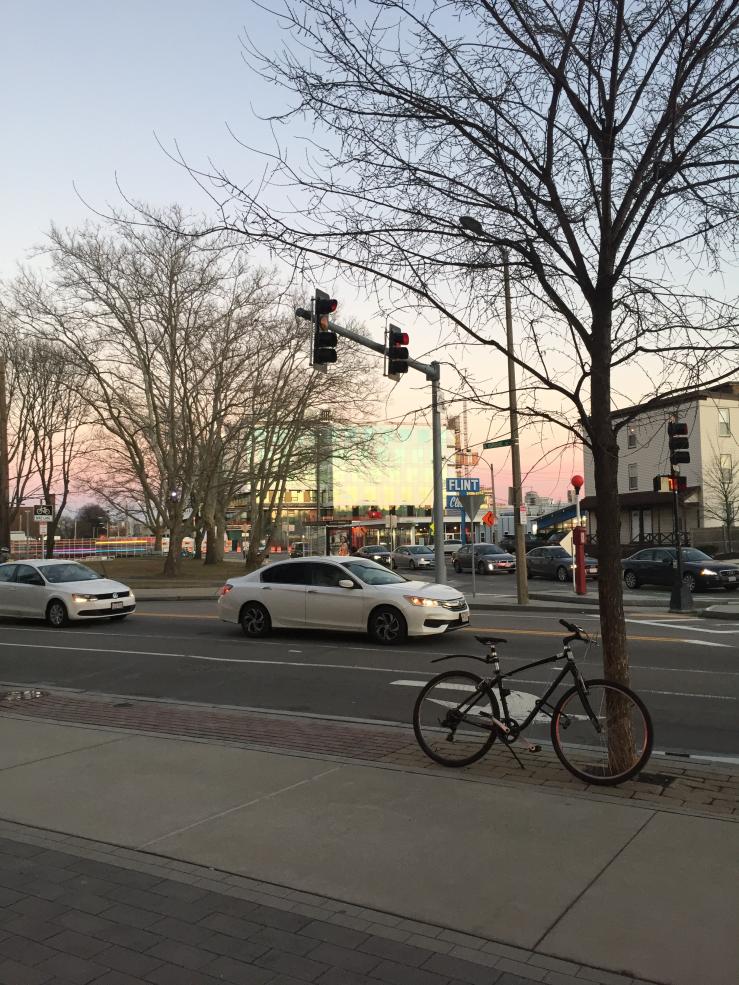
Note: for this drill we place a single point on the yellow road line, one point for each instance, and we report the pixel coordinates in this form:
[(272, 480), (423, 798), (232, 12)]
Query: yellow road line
[(468, 629)]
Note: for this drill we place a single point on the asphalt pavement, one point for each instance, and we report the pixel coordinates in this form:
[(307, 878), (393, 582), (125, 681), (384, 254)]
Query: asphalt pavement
[(685, 668)]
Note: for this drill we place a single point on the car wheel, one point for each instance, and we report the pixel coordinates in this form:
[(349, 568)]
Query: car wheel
[(387, 626), (561, 574), (123, 615), (413, 565), (731, 588), (630, 579), (529, 574), (56, 614), (480, 568), (690, 582), (457, 567), (255, 621)]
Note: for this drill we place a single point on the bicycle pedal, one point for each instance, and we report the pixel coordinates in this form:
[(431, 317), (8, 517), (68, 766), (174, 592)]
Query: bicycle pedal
[(536, 748)]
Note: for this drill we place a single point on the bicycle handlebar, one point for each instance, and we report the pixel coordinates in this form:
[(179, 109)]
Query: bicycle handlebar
[(577, 632)]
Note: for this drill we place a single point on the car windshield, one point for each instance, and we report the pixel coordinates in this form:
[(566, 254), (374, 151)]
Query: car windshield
[(489, 549), (420, 550), (692, 555), (558, 552), (372, 574), (58, 574), (379, 549)]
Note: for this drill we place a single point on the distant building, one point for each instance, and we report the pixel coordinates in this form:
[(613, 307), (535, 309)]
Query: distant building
[(712, 416)]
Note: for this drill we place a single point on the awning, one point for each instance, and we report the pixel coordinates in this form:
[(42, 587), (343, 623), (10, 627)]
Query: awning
[(556, 516)]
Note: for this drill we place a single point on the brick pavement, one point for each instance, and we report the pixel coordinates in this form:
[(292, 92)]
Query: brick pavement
[(670, 783), (77, 912)]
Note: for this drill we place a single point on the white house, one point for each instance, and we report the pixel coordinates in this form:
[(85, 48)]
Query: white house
[(712, 416)]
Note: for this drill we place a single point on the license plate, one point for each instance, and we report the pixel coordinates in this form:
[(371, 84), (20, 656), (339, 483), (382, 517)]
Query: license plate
[(465, 617), (116, 605), (592, 571), (731, 578)]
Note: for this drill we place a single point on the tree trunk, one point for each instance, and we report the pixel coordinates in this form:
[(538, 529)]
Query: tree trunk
[(198, 546), (610, 574), (50, 541), (158, 540), (211, 547), (172, 561)]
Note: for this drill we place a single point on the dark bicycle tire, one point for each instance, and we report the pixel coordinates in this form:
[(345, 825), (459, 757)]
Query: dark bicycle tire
[(418, 728), (569, 705)]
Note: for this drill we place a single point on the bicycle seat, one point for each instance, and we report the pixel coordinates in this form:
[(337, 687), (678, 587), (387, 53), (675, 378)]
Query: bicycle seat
[(490, 640)]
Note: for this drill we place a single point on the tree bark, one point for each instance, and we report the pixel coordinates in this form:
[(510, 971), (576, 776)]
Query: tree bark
[(172, 561)]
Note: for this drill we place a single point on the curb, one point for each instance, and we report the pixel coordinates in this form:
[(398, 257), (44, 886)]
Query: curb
[(725, 611)]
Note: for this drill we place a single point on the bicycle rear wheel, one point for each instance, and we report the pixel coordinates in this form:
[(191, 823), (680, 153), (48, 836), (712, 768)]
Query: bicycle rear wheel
[(614, 749), (453, 718)]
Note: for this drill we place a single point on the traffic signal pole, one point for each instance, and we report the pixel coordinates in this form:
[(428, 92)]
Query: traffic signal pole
[(432, 372)]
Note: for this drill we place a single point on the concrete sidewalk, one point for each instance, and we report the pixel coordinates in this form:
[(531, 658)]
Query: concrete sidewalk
[(545, 886)]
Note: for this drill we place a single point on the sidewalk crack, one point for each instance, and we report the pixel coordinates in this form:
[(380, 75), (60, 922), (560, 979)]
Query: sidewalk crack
[(238, 807), (595, 878)]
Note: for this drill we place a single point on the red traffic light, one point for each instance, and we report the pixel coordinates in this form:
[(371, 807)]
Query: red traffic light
[(399, 338), (326, 306)]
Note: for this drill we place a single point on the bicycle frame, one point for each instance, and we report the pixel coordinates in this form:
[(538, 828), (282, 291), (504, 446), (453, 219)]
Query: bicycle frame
[(541, 704)]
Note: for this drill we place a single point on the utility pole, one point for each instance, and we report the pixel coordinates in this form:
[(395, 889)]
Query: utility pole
[(522, 587), (4, 462)]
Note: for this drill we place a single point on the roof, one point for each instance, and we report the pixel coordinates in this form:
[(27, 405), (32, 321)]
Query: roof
[(727, 391), (561, 515), (646, 498)]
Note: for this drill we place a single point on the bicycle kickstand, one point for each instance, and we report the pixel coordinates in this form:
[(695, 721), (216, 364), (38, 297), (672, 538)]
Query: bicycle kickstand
[(529, 748)]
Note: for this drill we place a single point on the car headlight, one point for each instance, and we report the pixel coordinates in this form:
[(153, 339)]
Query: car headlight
[(708, 571), (419, 600), (83, 598)]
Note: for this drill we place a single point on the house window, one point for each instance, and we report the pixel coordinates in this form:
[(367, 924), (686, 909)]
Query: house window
[(633, 478), (724, 422), (632, 439), (726, 467)]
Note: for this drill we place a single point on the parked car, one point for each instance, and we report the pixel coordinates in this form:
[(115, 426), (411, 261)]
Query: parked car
[(508, 542), (301, 548), (61, 591), (340, 593), (656, 566), (489, 559), (375, 552), (557, 563), (413, 556)]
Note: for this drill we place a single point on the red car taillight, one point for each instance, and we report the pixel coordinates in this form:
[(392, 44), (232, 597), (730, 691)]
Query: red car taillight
[(225, 590)]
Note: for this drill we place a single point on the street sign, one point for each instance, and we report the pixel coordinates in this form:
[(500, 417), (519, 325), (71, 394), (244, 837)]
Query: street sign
[(471, 503), (460, 485), (453, 503), (503, 443), (42, 527), (43, 513), (489, 519)]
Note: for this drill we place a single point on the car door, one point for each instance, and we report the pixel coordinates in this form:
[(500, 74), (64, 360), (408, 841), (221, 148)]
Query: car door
[(532, 561), (546, 562), (283, 591), (464, 557), (328, 605), (30, 592), (402, 557), (8, 597), (661, 571)]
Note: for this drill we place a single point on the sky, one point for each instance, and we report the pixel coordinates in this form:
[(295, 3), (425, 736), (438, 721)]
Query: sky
[(93, 94)]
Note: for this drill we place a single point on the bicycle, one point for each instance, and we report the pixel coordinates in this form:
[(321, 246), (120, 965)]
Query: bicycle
[(581, 720)]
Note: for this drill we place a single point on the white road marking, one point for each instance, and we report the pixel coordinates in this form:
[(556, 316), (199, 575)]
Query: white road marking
[(641, 690), (672, 625)]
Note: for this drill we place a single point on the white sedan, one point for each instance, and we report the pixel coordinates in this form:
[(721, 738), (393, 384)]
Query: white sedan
[(351, 593), (59, 591)]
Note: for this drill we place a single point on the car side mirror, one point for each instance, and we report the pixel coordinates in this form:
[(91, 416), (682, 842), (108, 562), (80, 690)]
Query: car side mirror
[(346, 583)]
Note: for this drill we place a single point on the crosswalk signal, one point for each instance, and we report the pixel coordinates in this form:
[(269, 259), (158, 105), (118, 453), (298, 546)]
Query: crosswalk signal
[(324, 340), (677, 432), (397, 353)]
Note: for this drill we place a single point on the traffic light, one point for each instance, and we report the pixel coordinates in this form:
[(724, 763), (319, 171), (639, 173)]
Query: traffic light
[(397, 353), (677, 432), (324, 340)]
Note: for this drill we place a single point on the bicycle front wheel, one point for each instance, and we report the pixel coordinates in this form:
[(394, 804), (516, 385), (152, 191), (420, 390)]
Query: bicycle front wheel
[(602, 734), (453, 718)]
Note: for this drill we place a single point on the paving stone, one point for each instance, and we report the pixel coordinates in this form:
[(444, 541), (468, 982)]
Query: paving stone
[(179, 930), (232, 926), (343, 936), (340, 976), (71, 942), (281, 919), (554, 964), (269, 938), (79, 899), (24, 951), (128, 961), (33, 907), (393, 951), (234, 948), (13, 973), (402, 974), (116, 978), (131, 916), (171, 974), (463, 971), (78, 971), (602, 977), (556, 978), (342, 957), (430, 943), (175, 952), (292, 964), (531, 972), (238, 972), (32, 928)]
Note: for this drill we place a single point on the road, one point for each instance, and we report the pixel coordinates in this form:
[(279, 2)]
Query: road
[(686, 668)]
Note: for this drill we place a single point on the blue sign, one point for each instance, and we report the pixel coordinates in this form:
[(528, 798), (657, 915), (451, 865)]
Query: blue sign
[(453, 503), (459, 485)]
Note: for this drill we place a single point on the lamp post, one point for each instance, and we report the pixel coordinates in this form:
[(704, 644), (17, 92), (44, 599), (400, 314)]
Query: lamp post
[(474, 226)]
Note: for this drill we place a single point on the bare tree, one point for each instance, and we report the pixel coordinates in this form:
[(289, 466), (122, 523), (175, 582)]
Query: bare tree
[(137, 306), (721, 494), (594, 147)]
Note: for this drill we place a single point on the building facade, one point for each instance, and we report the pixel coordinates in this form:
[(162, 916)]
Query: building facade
[(712, 416)]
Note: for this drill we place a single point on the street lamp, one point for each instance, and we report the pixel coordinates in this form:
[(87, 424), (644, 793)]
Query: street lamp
[(475, 228)]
